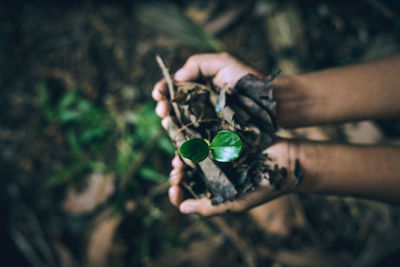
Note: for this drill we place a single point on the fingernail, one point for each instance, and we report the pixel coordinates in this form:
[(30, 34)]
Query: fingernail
[(179, 75), (188, 209)]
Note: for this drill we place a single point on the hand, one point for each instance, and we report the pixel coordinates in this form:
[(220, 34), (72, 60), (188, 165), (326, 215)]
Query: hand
[(305, 100), (224, 69), (283, 153)]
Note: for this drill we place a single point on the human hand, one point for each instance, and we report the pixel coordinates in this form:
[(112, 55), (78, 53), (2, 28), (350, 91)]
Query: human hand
[(283, 153), (224, 69)]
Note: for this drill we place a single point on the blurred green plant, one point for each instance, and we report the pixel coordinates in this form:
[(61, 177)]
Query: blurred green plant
[(131, 145), (102, 141)]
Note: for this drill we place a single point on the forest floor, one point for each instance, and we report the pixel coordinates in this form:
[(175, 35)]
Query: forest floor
[(83, 159)]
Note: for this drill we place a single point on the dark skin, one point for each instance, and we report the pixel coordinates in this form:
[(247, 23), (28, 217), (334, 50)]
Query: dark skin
[(365, 91)]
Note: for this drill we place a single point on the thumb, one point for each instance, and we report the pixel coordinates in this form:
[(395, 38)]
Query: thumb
[(203, 207), (206, 65), (241, 203)]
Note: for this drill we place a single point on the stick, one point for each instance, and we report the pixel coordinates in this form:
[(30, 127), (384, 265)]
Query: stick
[(170, 83), (245, 249), (190, 124), (167, 76), (248, 255), (189, 189)]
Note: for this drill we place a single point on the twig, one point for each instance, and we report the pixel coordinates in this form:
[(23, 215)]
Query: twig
[(38, 235), (26, 249), (29, 236), (189, 188), (167, 76), (170, 84), (190, 124), (249, 256)]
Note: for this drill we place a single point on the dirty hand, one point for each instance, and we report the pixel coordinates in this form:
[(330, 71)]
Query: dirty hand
[(282, 153), (224, 69)]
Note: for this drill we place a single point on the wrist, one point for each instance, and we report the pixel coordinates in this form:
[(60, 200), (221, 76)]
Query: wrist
[(307, 155), (297, 104), (286, 91)]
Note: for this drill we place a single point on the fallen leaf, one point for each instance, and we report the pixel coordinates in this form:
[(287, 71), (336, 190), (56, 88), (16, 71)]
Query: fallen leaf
[(98, 190)]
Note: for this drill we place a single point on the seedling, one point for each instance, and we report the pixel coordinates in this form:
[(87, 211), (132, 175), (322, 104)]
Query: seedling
[(226, 146)]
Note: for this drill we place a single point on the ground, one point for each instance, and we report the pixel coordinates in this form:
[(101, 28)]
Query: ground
[(84, 162)]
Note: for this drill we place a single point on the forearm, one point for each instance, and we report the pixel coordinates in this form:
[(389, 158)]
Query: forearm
[(364, 171), (366, 91)]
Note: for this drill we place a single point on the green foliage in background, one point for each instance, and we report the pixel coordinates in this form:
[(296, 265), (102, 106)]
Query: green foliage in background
[(100, 140)]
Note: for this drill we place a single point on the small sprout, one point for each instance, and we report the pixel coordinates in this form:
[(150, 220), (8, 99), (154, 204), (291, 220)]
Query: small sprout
[(225, 147), (195, 149)]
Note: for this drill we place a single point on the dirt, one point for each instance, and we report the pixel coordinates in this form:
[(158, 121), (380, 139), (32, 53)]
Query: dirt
[(104, 51), (200, 111)]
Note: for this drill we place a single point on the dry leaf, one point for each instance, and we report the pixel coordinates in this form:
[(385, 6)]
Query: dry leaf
[(99, 188)]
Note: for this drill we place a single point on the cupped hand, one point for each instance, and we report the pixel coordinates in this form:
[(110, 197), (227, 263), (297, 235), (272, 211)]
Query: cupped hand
[(223, 69), (283, 153)]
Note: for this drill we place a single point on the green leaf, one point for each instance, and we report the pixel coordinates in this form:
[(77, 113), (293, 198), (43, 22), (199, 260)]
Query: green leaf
[(67, 100), (165, 145), (69, 115), (73, 144), (93, 134), (195, 149), (151, 175), (226, 146)]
